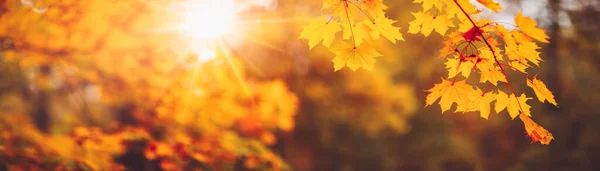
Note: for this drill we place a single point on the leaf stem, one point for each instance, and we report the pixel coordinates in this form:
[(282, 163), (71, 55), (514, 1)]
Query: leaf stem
[(487, 89), (350, 23)]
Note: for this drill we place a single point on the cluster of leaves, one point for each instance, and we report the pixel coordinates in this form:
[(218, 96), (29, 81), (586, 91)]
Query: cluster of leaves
[(490, 50), (360, 22), (483, 47), (26, 148), (192, 113)]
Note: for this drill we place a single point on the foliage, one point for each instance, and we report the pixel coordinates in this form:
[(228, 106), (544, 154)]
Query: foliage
[(478, 46), (359, 21)]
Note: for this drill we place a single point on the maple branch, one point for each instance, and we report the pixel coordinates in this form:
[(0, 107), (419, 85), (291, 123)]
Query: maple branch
[(493, 53)]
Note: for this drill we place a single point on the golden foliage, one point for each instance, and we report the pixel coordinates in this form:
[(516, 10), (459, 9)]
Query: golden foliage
[(480, 50), (361, 22)]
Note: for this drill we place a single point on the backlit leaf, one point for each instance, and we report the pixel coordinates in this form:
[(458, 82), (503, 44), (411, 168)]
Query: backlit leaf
[(320, 29), (354, 57), (541, 91)]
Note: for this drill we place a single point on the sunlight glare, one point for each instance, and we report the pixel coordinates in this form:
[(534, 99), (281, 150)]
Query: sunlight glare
[(204, 54), (208, 19)]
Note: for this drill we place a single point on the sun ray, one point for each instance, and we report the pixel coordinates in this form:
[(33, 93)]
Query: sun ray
[(245, 58), (236, 72), (263, 43)]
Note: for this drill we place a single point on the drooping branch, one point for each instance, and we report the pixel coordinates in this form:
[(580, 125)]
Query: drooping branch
[(478, 31)]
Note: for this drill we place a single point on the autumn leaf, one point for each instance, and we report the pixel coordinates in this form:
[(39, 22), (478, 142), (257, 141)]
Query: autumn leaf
[(346, 54), (527, 25), (493, 75), (473, 34), (425, 23), (478, 101), (450, 93), (516, 104), (374, 7), (415, 26), (490, 4), (519, 49), (452, 10), (489, 71), (512, 104), (524, 52), (358, 32), (541, 91), (320, 29), (441, 23), (383, 27), (501, 102), (455, 66), (519, 66), (535, 131)]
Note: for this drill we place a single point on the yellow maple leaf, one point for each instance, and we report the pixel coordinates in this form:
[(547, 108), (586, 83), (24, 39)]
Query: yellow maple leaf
[(383, 27), (454, 67), (450, 93), (524, 52), (478, 101), (527, 25), (490, 4), (345, 11), (541, 91), (493, 75), (425, 23), (358, 32), (320, 29), (501, 102), (441, 23), (489, 71), (512, 104), (486, 54), (374, 7), (535, 131), (452, 10), (346, 54), (519, 66), (414, 26), (519, 49)]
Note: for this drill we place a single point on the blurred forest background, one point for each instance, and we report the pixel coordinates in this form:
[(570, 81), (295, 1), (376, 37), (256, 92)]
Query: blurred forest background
[(86, 85)]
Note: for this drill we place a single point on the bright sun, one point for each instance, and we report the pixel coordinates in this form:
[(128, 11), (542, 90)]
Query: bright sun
[(208, 20)]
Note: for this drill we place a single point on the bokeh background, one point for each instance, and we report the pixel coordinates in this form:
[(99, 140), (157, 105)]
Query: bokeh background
[(98, 91)]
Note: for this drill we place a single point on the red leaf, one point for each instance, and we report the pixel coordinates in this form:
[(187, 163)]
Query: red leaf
[(473, 34)]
